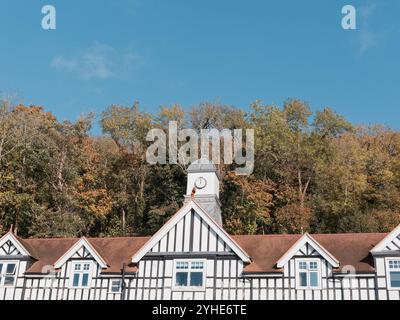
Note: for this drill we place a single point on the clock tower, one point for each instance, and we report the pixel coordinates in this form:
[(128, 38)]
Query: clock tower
[(203, 187)]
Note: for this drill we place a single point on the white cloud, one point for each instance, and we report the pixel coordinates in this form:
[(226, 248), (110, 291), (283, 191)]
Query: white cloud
[(100, 61), (367, 10), (367, 38), (62, 63)]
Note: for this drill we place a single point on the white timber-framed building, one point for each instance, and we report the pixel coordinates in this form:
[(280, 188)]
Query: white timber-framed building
[(193, 257)]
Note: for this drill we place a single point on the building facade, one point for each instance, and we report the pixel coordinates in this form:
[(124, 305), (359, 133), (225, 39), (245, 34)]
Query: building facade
[(193, 257)]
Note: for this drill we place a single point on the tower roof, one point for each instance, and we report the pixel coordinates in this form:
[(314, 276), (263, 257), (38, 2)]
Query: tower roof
[(202, 165)]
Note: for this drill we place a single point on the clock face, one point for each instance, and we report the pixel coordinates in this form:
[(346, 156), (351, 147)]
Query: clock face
[(200, 183)]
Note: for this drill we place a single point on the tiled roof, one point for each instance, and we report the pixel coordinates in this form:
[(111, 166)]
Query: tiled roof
[(115, 251), (265, 250), (352, 249)]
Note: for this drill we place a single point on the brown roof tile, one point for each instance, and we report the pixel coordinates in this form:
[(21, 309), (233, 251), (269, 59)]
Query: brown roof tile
[(28, 247), (118, 251), (265, 250), (351, 249), (48, 251)]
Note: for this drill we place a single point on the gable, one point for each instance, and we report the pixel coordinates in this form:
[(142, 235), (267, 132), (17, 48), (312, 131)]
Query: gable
[(306, 246), (390, 243), (191, 229), (82, 249), (10, 246), (8, 249), (191, 234), (82, 253), (394, 244), (307, 250)]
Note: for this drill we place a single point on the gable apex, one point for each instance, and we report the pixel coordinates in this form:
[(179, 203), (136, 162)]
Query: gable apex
[(71, 251), (10, 236), (175, 219), (386, 241), (307, 238)]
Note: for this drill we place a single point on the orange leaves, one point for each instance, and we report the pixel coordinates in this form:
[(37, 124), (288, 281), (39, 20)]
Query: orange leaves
[(35, 111), (96, 202), (250, 201), (294, 218)]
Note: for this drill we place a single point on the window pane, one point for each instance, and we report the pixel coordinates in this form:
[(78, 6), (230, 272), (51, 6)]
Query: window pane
[(197, 265), (302, 265), (196, 279), (77, 267), (182, 265), (75, 282), (9, 280), (85, 279), (303, 279), (116, 286), (181, 279), (1, 267), (115, 289), (313, 279), (10, 268), (395, 279), (86, 266), (313, 265)]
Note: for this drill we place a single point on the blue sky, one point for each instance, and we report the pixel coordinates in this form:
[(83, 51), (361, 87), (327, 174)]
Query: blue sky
[(189, 51)]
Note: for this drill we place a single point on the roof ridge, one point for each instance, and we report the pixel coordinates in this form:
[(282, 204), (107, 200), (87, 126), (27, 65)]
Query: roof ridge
[(266, 235), (89, 238), (126, 237), (55, 238), (347, 233), (232, 235), (311, 234)]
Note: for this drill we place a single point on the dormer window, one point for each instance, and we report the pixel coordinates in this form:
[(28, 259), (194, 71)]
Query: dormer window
[(8, 273), (308, 273), (393, 266), (81, 274)]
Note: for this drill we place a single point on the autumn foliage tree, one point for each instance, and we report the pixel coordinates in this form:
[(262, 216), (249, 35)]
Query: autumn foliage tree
[(313, 172)]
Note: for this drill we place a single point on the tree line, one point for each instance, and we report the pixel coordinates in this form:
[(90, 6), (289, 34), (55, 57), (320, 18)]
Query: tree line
[(314, 172)]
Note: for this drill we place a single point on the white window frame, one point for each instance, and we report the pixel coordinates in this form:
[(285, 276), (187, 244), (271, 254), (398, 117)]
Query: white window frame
[(3, 274), (308, 271), (189, 270), (111, 285), (389, 282), (81, 272)]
